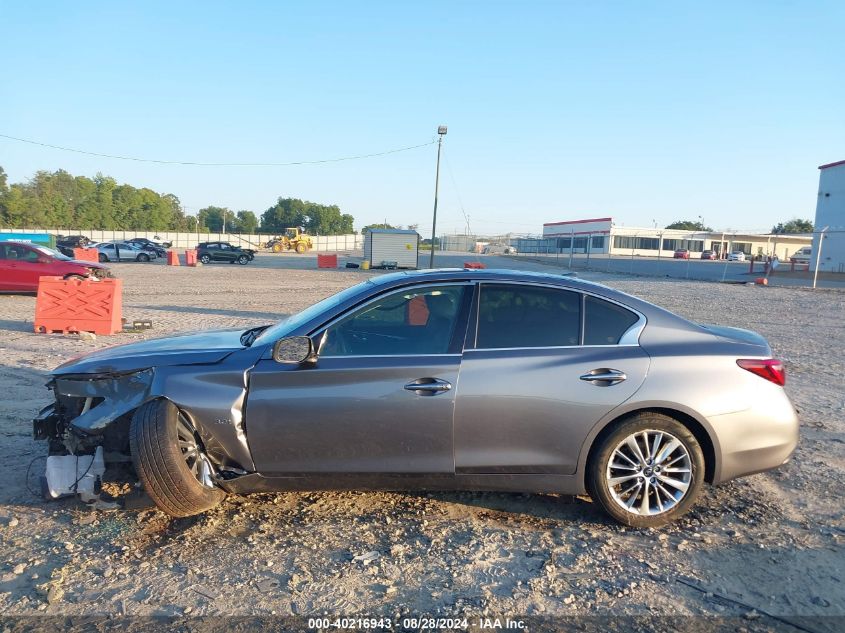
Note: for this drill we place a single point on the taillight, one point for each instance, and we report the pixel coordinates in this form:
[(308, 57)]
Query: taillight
[(771, 369)]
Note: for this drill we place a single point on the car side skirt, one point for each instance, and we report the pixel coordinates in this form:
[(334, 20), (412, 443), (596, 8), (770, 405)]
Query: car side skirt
[(256, 482)]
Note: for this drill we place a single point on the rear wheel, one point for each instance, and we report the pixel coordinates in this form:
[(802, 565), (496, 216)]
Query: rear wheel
[(277, 248), (103, 258), (301, 248), (647, 472), (171, 461)]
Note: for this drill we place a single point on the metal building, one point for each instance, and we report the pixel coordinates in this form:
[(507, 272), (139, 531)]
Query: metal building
[(392, 248), (830, 220)]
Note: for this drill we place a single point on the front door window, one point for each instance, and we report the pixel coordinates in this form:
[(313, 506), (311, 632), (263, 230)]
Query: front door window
[(409, 322)]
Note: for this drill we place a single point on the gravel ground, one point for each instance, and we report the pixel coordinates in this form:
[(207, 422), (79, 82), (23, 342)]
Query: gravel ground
[(767, 545)]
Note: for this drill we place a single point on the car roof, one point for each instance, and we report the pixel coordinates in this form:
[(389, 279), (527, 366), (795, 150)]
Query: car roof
[(499, 274)]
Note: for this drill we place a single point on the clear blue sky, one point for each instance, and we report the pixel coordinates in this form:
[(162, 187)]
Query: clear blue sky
[(556, 110)]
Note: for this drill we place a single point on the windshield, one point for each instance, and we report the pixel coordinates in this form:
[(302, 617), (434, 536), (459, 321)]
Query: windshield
[(288, 325), (51, 253)]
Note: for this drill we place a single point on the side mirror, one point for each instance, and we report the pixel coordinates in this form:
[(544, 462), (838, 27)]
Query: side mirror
[(294, 350)]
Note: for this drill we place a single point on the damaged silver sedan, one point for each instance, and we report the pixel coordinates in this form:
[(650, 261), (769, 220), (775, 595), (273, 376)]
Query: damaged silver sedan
[(435, 380)]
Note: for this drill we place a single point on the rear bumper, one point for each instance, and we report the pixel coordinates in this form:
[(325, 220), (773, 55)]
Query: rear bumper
[(758, 439)]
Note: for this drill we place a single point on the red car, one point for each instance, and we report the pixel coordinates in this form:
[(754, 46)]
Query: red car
[(22, 264), (681, 253)]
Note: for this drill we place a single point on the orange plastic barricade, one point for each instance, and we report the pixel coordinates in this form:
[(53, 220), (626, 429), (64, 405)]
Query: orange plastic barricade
[(172, 258), (474, 265), (191, 257), (86, 254), (327, 261), (79, 305)]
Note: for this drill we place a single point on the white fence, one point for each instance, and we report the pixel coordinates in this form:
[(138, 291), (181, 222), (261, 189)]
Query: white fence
[(321, 243)]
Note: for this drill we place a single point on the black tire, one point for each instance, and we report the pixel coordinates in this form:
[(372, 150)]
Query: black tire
[(243, 259), (597, 469), (142, 257), (103, 258), (161, 466), (205, 259)]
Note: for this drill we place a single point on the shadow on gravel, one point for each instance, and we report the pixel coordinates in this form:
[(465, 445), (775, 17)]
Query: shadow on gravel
[(538, 506), (16, 326), (249, 314)]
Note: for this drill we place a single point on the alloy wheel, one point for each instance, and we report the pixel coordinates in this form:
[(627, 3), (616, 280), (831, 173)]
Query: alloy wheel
[(192, 452), (649, 472)]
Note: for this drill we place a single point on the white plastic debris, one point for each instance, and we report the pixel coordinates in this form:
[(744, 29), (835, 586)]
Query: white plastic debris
[(367, 558), (74, 474)]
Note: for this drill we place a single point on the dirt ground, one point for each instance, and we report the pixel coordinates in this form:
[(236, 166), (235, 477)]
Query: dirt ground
[(767, 545)]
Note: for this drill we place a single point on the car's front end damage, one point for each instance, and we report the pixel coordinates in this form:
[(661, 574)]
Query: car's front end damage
[(87, 427), (95, 396)]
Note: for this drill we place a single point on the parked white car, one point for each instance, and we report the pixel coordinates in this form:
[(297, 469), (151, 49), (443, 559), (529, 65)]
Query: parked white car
[(736, 256)]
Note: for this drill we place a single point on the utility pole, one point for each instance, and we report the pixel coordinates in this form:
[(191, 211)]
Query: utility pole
[(441, 131)]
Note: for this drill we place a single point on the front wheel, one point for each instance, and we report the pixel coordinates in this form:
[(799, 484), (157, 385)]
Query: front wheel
[(647, 472), (301, 248), (143, 257), (243, 259), (170, 460)]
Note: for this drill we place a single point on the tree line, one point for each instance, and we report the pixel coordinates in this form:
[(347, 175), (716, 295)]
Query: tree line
[(61, 200), (791, 227)]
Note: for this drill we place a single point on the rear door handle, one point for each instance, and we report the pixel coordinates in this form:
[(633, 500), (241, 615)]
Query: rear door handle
[(604, 377), (428, 386)]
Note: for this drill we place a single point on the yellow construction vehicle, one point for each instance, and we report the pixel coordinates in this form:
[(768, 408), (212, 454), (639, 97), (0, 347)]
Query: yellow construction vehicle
[(293, 239)]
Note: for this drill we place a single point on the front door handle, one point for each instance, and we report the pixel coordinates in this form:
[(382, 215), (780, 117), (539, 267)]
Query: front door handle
[(604, 377), (428, 386)]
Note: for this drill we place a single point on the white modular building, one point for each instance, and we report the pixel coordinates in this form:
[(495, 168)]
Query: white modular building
[(830, 220), (392, 248)]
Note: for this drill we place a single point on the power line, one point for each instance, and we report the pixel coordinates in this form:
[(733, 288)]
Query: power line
[(201, 164)]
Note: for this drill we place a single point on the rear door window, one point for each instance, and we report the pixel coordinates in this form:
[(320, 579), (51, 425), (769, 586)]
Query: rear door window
[(513, 315), (605, 322)]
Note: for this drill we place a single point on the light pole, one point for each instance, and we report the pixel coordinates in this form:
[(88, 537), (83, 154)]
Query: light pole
[(441, 131)]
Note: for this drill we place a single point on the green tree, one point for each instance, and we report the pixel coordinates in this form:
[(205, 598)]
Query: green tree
[(367, 228), (287, 212), (246, 222), (795, 225), (689, 225), (211, 219)]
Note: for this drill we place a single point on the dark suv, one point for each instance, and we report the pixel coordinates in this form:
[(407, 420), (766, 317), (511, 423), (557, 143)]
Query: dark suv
[(223, 252), (66, 243)]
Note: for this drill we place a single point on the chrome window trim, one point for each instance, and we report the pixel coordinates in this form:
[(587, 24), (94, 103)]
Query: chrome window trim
[(399, 356), (631, 337), (547, 347)]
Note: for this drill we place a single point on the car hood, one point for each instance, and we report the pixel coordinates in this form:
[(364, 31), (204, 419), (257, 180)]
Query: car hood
[(184, 349), (84, 264)]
